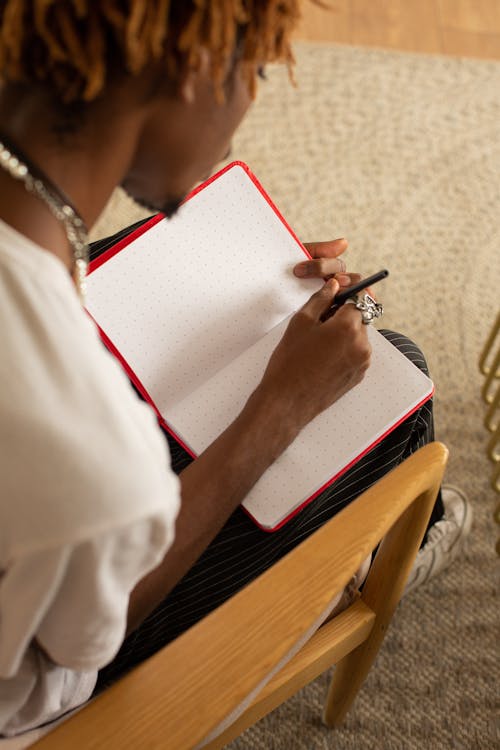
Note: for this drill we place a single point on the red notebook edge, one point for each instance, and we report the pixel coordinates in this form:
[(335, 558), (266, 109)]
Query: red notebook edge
[(139, 385), (305, 503), (110, 252), (124, 242)]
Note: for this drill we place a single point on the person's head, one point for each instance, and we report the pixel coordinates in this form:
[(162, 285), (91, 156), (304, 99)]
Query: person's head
[(189, 67)]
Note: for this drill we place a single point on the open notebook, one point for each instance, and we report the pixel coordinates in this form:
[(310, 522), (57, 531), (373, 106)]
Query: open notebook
[(193, 307)]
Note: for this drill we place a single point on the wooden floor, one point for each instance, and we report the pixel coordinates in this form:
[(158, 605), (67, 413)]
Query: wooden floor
[(454, 27)]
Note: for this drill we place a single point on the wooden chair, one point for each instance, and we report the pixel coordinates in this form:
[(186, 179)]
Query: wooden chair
[(177, 698), (489, 365)]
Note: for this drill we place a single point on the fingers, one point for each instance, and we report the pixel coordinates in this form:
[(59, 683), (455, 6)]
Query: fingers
[(354, 278), (349, 319), (319, 303), (329, 249), (321, 268), (315, 363), (346, 317), (317, 307), (325, 261)]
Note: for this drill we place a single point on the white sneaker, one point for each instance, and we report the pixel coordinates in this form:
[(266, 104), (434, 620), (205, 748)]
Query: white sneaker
[(445, 540)]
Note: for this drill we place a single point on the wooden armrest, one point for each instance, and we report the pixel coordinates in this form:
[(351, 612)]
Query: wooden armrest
[(179, 695)]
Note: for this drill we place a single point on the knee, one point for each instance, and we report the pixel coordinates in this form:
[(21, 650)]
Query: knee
[(407, 347)]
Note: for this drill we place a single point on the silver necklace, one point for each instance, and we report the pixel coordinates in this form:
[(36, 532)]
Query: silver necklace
[(20, 168)]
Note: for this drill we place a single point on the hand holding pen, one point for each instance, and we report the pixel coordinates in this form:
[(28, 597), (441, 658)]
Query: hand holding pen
[(367, 305)]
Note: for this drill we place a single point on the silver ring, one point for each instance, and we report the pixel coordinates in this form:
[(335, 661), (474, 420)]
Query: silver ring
[(368, 308)]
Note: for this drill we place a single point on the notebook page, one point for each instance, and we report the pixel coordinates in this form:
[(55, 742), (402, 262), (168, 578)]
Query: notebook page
[(191, 293), (392, 388)]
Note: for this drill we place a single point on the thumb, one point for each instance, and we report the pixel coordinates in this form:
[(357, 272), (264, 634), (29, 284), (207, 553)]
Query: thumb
[(320, 302)]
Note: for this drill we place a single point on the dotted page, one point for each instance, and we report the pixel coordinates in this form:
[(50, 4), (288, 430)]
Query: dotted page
[(392, 388), (193, 292), (197, 304)]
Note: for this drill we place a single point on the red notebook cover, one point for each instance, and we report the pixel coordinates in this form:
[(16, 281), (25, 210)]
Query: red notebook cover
[(211, 337)]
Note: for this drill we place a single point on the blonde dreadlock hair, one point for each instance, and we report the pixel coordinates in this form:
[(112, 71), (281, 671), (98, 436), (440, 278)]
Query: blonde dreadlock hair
[(73, 47)]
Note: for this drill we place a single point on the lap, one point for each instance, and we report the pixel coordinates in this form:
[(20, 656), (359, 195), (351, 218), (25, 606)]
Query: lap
[(241, 551)]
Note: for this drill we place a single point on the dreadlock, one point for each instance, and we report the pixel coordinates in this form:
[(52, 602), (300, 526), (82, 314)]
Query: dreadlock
[(73, 47)]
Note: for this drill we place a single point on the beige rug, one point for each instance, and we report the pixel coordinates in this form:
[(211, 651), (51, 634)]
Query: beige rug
[(401, 154)]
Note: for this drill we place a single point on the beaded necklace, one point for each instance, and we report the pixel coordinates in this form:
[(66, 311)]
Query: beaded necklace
[(35, 181)]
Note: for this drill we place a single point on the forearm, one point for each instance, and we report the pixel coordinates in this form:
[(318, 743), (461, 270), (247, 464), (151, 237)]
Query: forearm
[(212, 487)]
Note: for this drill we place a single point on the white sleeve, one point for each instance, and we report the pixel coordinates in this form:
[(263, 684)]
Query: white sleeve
[(89, 499), (74, 601), (87, 619), (73, 604)]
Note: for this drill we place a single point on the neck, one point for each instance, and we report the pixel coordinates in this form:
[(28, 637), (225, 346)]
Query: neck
[(86, 166)]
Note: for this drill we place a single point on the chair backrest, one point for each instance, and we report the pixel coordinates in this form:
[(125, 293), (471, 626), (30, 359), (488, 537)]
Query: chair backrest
[(183, 693)]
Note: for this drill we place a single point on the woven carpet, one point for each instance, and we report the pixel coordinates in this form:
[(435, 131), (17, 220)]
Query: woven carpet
[(400, 154)]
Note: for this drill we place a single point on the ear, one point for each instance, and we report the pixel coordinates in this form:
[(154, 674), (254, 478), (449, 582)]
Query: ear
[(192, 77), (187, 87)]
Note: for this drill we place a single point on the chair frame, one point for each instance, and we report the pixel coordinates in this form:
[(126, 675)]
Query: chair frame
[(250, 645)]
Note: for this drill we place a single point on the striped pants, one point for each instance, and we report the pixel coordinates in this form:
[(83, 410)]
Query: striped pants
[(241, 551)]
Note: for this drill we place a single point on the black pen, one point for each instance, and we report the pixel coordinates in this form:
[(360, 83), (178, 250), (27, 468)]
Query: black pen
[(344, 295)]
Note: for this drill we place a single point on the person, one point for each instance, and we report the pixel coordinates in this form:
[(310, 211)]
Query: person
[(112, 541)]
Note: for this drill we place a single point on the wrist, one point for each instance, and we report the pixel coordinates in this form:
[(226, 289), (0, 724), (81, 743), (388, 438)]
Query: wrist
[(270, 418)]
